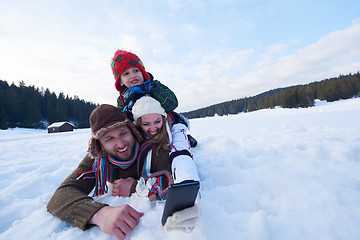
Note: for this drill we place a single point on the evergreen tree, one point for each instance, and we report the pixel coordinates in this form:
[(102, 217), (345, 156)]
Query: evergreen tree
[(4, 119), (33, 116), (31, 107), (333, 89)]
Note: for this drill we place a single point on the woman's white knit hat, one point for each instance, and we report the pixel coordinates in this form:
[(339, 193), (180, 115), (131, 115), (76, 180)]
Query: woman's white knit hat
[(146, 105)]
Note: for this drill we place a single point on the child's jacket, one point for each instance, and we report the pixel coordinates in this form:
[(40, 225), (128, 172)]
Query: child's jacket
[(159, 91)]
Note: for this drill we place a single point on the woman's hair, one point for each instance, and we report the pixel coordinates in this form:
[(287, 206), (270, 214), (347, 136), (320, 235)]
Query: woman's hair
[(162, 138)]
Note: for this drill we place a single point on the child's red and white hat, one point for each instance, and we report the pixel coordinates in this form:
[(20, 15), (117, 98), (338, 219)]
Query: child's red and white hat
[(124, 60)]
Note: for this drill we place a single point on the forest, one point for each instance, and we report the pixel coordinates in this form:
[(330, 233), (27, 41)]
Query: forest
[(299, 96), (30, 107)]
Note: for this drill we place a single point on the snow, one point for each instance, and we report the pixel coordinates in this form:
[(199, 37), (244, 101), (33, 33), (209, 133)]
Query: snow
[(270, 174)]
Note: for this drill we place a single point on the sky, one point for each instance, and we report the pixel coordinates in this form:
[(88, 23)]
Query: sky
[(303, 184), (207, 52)]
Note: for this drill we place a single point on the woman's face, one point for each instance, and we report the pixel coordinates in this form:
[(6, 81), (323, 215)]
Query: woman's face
[(151, 124)]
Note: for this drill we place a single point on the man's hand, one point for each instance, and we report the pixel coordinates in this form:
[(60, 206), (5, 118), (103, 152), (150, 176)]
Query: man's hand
[(122, 187), (118, 221)]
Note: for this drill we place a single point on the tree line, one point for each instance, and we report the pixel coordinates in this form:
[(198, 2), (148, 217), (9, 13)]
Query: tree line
[(30, 107), (342, 87)]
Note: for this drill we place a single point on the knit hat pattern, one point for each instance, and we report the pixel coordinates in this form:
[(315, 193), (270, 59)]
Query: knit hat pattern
[(103, 119), (122, 61), (147, 105)]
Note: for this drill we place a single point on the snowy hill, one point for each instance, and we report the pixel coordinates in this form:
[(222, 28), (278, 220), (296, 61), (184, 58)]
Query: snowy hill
[(270, 174)]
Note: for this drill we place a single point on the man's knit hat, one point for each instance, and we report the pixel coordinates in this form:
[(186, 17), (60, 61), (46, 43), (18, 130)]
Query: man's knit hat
[(122, 61), (103, 119)]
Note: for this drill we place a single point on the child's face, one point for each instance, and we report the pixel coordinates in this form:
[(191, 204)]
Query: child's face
[(151, 124), (131, 77)]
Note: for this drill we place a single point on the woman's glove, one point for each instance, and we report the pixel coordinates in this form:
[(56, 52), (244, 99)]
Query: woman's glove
[(185, 219), (155, 187), (159, 188)]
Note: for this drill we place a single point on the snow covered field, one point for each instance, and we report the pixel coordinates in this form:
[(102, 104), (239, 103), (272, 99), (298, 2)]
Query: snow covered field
[(270, 174)]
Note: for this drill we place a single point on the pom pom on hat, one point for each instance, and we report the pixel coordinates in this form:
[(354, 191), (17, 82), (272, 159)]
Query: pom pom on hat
[(147, 105), (122, 61)]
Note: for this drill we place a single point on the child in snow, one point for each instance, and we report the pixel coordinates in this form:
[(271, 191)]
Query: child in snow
[(132, 81)]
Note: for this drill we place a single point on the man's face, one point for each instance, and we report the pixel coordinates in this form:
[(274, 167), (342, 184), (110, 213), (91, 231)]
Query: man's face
[(119, 143)]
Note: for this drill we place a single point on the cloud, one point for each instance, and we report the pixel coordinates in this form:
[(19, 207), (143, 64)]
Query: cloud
[(205, 52), (224, 77), (129, 42)]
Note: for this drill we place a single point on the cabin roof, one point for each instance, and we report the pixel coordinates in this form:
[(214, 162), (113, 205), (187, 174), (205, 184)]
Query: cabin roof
[(59, 124)]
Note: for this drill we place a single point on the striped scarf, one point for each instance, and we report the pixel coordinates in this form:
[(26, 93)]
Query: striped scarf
[(104, 172)]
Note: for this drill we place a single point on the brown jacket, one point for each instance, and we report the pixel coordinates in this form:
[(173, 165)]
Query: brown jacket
[(71, 201)]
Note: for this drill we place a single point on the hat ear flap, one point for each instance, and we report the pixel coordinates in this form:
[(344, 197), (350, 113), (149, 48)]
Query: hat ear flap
[(95, 150)]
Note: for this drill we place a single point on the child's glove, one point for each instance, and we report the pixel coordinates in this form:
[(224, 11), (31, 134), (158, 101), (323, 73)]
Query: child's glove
[(136, 92), (179, 118), (185, 219)]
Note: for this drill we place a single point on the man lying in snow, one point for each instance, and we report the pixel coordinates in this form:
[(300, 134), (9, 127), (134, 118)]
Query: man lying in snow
[(114, 152)]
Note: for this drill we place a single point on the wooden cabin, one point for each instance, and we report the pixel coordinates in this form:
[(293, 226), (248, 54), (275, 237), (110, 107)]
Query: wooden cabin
[(60, 127)]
